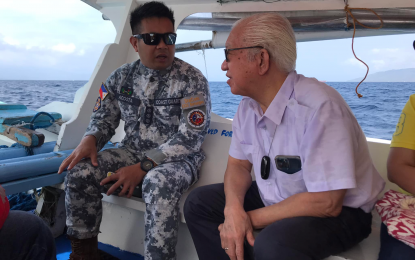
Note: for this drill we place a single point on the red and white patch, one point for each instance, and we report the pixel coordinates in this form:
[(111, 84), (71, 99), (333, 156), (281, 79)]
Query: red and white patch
[(397, 212), (196, 118)]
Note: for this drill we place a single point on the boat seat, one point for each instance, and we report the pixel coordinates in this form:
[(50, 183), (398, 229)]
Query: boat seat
[(29, 172)]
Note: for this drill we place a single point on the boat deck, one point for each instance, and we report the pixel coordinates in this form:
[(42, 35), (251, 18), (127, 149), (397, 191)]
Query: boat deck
[(63, 249)]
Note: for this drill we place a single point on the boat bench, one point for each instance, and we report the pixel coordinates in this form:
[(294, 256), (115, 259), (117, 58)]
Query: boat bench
[(23, 173), (216, 147)]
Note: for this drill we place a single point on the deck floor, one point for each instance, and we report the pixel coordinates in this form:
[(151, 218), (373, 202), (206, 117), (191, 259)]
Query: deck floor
[(63, 249)]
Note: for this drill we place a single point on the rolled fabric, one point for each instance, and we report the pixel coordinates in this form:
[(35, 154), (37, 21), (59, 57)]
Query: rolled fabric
[(397, 212)]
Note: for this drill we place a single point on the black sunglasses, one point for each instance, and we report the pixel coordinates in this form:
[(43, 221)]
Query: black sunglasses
[(154, 38), (228, 50)]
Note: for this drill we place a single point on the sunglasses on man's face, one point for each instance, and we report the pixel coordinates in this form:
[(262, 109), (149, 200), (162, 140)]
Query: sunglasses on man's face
[(228, 50), (154, 38)]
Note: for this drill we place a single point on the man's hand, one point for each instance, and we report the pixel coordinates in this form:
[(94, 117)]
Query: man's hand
[(86, 149), (237, 226), (129, 177)]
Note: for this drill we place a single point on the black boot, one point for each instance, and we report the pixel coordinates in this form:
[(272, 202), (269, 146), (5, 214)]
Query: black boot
[(84, 249)]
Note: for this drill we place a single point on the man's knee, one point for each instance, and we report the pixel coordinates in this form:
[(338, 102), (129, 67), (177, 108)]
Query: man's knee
[(266, 249), (272, 247), (31, 225), (81, 172), (193, 199), (201, 198), (166, 184), (158, 190)]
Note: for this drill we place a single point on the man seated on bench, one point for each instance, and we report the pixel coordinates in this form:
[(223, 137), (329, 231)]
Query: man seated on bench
[(23, 235), (315, 181), (401, 171), (165, 104)]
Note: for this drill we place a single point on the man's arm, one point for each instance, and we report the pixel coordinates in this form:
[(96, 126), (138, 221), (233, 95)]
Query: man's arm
[(106, 116), (104, 120), (237, 181), (401, 168), (192, 129), (313, 204), (237, 224)]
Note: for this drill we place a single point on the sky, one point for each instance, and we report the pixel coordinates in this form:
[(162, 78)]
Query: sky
[(62, 40)]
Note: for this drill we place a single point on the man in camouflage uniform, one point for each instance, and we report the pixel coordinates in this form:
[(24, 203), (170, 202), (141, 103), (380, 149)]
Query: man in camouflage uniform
[(165, 104)]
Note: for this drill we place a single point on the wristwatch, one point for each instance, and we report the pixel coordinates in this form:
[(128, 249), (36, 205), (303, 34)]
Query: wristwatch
[(146, 164)]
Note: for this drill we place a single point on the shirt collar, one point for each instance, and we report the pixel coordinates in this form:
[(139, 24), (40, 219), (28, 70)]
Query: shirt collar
[(277, 107), (161, 74)]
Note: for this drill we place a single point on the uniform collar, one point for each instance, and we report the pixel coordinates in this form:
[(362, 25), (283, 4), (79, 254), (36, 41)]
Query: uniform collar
[(161, 74), (276, 109)]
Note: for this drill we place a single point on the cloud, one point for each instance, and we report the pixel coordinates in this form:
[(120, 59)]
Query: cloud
[(10, 41), (379, 64), (385, 50), (354, 62), (81, 52), (65, 48)]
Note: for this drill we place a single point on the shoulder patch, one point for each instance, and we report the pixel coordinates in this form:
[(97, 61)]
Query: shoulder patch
[(97, 104), (192, 101), (103, 92), (196, 118)]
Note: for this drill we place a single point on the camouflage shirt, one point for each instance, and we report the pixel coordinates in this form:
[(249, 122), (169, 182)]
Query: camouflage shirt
[(166, 112)]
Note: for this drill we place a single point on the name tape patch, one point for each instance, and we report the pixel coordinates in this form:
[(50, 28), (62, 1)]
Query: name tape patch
[(167, 102), (129, 100), (196, 118), (192, 101)]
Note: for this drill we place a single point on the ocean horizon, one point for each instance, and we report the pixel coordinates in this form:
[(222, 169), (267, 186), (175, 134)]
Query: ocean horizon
[(377, 111)]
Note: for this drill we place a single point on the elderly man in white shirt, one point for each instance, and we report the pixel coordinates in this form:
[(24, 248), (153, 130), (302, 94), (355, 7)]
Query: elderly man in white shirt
[(315, 181)]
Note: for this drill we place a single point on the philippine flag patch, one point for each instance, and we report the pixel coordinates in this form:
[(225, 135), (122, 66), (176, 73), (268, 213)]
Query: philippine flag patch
[(103, 92)]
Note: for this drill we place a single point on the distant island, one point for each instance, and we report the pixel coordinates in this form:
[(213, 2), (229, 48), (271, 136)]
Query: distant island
[(403, 75)]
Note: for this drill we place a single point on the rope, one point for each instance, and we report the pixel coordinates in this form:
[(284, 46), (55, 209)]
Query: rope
[(348, 11), (204, 57), (32, 122)]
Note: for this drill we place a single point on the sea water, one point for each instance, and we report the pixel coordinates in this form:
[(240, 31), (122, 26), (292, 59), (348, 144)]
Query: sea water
[(377, 112)]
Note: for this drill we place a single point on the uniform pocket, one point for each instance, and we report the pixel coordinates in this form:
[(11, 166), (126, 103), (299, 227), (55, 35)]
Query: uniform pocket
[(129, 113)]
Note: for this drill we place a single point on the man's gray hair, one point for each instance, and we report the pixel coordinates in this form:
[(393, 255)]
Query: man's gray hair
[(273, 32)]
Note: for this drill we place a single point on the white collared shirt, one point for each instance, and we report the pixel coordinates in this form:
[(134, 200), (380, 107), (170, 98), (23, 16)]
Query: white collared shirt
[(311, 120)]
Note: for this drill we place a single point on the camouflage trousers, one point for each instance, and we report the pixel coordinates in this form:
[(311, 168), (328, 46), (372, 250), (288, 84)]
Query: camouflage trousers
[(162, 186)]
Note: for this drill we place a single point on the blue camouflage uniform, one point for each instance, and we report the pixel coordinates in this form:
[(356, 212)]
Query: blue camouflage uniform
[(166, 115)]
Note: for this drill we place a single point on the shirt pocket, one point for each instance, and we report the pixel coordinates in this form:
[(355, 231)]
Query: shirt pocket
[(290, 184), (129, 113)]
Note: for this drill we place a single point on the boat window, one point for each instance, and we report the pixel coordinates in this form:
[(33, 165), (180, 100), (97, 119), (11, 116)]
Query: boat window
[(391, 59), (49, 49)]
